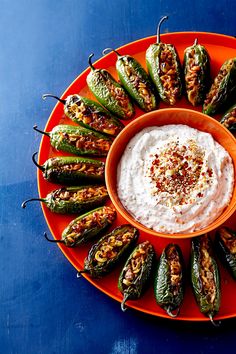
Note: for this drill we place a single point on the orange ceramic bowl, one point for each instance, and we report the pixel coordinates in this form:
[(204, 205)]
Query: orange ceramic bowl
[(161, 117)]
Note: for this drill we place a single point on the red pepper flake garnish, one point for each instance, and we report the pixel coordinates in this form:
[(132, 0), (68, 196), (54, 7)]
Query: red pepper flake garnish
[(210, 172), (177, 171)]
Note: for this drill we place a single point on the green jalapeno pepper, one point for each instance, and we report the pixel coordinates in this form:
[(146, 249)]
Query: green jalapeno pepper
[(72, 170), (225, 241), (196, 73), (205, 276), (109, 250), (135, 80), (223, 87), (73, 200), (163, 65), (136, 272), (109, 93), (89, 114), (78, 140), (229, 119), (169, 280), (86, 226)]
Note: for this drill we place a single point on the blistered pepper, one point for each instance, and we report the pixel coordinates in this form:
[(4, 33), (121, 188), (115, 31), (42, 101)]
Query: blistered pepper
[(86, 227), (229, 119), (169, 280), (163, 65), (109, 93), (72, 170), (223, 87), (225, 241), (196, 73), (136, 272), (73, 200), (78, 140), (109, 250), (135, 80), (205, 276), (89, 114)]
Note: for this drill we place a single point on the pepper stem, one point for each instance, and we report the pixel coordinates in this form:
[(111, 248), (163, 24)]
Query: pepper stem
[(50, 95), (23, 205), (78, 275), (107, 50), (36, 163), (35, 127), (159, 27), (196, 41), (51, 240), (125, 298), (170, 313), (90, 62), (215, 324)]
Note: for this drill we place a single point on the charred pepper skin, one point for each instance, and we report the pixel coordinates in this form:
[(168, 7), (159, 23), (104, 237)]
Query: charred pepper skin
[(206, 307), (70, 139), (71, 238), (135, 289), (109, 93), (168, 295), (97, 269), (57, 204), (158, 67), (196, 73), (70, 170), (54, 173), (223, 87), (89, 114), (74, 207), (227, 254), (136, 82), (229, 119)]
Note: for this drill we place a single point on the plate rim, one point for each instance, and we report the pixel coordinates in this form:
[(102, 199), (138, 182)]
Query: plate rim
[(132, 305)]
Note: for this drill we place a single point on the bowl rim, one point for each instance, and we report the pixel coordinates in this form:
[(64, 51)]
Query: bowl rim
[(128, 216)]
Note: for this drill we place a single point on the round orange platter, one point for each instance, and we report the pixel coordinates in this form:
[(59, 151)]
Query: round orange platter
[(220, 48)]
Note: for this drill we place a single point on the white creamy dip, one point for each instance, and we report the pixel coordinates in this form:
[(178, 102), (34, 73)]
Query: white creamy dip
[(175, 179)]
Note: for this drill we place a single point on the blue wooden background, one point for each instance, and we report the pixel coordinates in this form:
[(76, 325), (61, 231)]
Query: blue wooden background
[(43, 307)]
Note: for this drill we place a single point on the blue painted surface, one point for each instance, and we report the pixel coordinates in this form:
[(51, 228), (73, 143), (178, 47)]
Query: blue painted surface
[(44, 309)]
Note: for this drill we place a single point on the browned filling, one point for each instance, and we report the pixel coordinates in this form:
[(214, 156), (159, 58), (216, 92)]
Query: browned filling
[(175, 269), (135, 264), (228, 239), (84, 167), (96, 120), (119, 95), (96, 219), (214, 91), (168, 74), (230, 119), (110, 248), (80, 195), (207, 272), (86, 142), (191, 78), (139, 84)]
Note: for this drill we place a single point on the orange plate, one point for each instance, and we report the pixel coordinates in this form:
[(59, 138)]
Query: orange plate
[(162, 117), (220, 48)]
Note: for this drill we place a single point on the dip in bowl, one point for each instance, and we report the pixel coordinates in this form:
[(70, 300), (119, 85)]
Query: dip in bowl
[(171, 173)]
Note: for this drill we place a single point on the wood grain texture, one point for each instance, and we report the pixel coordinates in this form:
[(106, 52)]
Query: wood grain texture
[(44, 308)]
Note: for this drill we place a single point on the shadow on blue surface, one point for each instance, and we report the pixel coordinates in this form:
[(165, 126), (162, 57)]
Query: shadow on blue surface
[(42, 299), (44, 308)]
